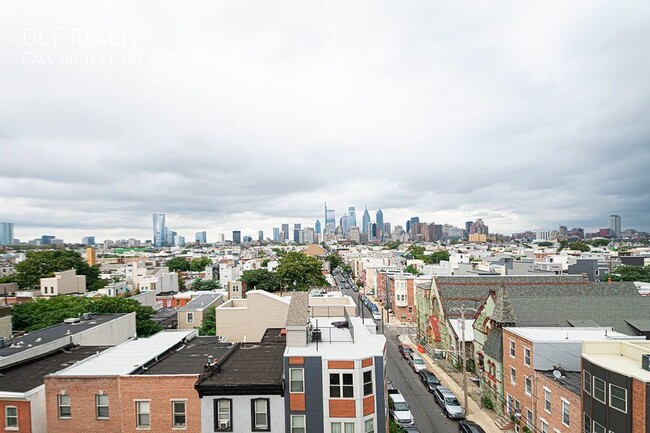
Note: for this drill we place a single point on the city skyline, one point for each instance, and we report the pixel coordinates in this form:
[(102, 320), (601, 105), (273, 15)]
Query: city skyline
[(528, 116)]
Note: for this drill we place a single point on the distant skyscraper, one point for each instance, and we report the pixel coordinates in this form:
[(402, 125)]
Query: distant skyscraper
[(6, 233), (380, 223), (201, 237), (260, 235), (365, 220), (615, 225), (387, 230), (317, 227), (159, 230), (413, 221), (180, 241), (285, 231), (345, 224), (297, 228), (352, 215), (47, 239), (468, 225), (478, 227), (330, 220), (171, 237), (236, 236), (276, 234), (88, 240)]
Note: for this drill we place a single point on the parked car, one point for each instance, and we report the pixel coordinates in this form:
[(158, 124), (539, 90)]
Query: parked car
[(404, 350), (416, 362), (465, 426), (376, 315), (449, 403), (429, 380), (411, 429), (355, 287), (400, 410)]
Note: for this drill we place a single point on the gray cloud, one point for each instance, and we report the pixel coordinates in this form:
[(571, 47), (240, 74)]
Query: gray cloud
[(228, 115)]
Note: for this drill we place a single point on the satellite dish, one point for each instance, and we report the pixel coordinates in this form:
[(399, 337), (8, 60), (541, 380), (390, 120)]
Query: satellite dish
[(557, 374)]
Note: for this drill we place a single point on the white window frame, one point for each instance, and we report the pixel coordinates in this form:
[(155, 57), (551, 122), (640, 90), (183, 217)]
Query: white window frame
[(182, 426), (567, 405), (610, 397), (139, 412), (301, 380), (512, 348), (604, 400), (586, 382), (586, 417), (298, 429), (547, 400), (530, 422), (59, 405), (267, 418), (218, 411), (8, 417), (527, 351), (98, 406), (513, 376), (544, 426), (370, 429), (593, 427), (190, 317), (341, 386), (528, 390)]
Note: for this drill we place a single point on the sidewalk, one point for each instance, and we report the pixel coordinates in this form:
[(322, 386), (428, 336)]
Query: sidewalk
[(474, 412)]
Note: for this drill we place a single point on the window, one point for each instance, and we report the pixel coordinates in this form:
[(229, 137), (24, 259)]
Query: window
[(587, 424), (528, 383), (11, 417), (527, 356), (547, 400), (178, 413), (544, 426), (346, 427), (223, 414), (565, 412), (298, 424), (598, 428), (529, 418), (513, 376), (512, 348), (260, 414), (618, 398), (101, 402), (190, 317), (65, 408), (367, 382), (296, 379), (369, 426), (341, 385), (599, 389), (586, 381), (143, 414)]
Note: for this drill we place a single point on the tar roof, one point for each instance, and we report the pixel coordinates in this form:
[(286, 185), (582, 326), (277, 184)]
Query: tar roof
[(130, 356), (55, 332), (570, 380), (190, 358), (28, 375)]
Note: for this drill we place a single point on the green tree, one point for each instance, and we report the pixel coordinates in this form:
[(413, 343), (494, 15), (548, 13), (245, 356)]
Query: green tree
[(335, 261), (199, 264), (631, 273), (299, 271), (545, 244), (598, 242), (411, 269), (579, 246), (178, 264), (209, 325), (261, 279), (392, 245), (438, 256), (40, 264), (205, 284), (143, 324)]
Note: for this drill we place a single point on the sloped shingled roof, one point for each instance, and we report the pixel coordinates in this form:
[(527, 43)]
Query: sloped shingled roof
[(493, 346)]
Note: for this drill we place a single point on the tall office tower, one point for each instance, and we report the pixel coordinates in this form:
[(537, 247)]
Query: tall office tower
[(317, 228), (308, 235), (387, 230), (413, 221), (478, 227), (88, 240), (171, 237), (201, 237), (47, 239), (365, 220), (352, 216), (345, 224), (159, 230), (276, 234), (260, 235), (236, 236), (180, 241), (285, 230), (380, 224), (468, 226), (222, 237), (330, 220), (297, 228), (6, 233), (615, 225)]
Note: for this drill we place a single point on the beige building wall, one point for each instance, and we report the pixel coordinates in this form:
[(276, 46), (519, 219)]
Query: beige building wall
[(190, 318), (5, 321), (63, 283), (248, 319)]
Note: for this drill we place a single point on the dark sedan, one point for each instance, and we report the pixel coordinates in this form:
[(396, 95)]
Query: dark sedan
[(404, 350), (429, 380)]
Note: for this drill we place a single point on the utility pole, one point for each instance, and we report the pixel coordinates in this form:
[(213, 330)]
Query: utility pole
[(464, 365)]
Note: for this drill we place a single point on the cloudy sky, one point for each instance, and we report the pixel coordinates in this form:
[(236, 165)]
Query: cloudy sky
[(247, 114)]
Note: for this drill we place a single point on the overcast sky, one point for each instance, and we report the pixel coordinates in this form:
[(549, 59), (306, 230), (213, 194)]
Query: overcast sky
[(247, 114)]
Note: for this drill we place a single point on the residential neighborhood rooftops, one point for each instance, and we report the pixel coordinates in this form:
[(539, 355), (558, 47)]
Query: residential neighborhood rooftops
[(202, 301), (190, 358), (569, 380)]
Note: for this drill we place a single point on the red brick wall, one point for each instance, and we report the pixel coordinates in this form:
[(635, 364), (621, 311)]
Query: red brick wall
[(638, 406), (24, 414)]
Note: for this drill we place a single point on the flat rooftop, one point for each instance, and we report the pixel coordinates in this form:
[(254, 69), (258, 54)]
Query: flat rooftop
[(30, 374), (130, 356), (569, 334), (52, 333), (623, 357), (570, 380), (190, 358)]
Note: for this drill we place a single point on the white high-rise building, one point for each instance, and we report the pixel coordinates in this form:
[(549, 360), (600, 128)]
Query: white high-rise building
[(6, 233), (615, 225)]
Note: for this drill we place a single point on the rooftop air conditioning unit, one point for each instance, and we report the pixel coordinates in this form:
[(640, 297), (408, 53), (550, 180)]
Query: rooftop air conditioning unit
[(72, 320), (224, 424)]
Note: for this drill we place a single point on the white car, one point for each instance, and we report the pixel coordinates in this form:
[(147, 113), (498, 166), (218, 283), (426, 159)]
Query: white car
[(416, 362), (376, 314), (400, 410)]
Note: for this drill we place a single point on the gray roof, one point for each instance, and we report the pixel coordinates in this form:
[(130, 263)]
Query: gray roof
[(642, 325), (200, 302), (570, 380), (190, 358), (298, 314), (503, 307), (493, 346)]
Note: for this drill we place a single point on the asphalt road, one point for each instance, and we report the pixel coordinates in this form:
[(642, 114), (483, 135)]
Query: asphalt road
[(427, 414)]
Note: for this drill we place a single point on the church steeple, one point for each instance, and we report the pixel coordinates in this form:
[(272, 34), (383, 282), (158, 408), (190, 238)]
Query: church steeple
[(503, 314)]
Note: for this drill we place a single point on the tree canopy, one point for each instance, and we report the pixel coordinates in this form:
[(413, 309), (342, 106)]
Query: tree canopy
[(631, 273), (178, 264), (261, 279), (41, 264), (205, 284), (44, 312), (411, 269), (198, 265), (417, 252), (335, 261), (209, 325), (299, 271)]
